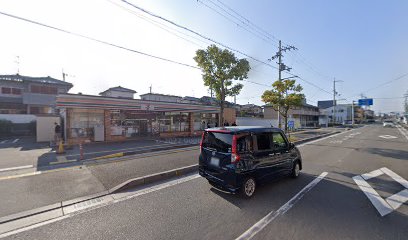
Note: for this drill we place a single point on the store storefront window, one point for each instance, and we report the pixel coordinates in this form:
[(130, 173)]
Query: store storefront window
[(83, 121), (210, 119)]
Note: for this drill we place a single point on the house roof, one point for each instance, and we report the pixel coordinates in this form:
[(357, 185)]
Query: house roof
[(159, 94), (21, 78), (119, 89)]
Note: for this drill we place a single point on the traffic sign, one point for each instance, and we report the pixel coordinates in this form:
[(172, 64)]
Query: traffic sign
[(291, 124), (365, 102)]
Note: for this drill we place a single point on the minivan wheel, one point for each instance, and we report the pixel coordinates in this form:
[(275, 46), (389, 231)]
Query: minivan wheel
[(296, 169), (248, 187)]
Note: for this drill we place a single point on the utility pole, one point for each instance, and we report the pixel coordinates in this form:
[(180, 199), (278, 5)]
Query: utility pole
[(334, 100), (352, 113), (282, 67)]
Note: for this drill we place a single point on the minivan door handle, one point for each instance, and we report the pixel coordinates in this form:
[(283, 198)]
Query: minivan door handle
[(271, 154)]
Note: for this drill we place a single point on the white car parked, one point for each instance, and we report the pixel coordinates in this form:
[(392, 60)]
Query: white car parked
[(388, 123)]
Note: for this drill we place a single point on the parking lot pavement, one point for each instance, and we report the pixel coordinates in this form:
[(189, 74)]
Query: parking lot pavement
[(335, 207), (26, 155), (20, 153)]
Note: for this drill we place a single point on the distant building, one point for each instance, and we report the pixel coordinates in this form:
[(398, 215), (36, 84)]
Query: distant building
[(250, 110), (30, 95), (304, 116), (118, 92), (192, 100), (325, 104), (343, 114), (209, 100), (161, 97)]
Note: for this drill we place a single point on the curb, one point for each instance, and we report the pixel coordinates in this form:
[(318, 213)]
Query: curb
[(136, 182), (316, 137), (130, 153)]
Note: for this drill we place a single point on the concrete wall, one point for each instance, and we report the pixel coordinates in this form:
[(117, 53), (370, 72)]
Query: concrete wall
[(46, 128), (18, 118), (248, 121), (230, 115)]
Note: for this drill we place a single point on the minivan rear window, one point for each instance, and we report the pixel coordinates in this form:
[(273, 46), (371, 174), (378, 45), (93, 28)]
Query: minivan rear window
[(221, 142)]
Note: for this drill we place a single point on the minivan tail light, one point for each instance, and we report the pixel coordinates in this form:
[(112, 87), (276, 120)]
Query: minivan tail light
[(234, 153), (201, 142)]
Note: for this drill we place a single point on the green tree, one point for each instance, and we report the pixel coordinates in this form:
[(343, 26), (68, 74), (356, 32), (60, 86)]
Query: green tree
[(219, 68), (284, 95)]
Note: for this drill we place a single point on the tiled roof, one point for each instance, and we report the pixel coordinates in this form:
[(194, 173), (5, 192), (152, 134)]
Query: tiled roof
[(21, 78), (120, 89)]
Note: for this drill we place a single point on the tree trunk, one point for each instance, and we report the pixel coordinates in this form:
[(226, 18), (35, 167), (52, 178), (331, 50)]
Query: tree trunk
[(286, 120)]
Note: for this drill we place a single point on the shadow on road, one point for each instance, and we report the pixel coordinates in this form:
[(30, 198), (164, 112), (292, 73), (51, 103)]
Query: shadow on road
[(390, 153)]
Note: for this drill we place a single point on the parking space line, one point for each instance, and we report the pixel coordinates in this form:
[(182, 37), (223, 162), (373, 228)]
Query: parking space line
[(379, 203), (15, 168), (4, 141), (261, 224), (16, 140)]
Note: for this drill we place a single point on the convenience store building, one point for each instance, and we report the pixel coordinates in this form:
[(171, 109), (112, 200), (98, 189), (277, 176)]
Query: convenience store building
[(92, 118)]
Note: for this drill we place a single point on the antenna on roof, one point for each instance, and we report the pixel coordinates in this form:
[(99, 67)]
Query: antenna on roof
[(65, 75), (150, 88)]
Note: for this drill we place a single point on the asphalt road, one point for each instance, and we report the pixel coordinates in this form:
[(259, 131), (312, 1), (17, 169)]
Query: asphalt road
[(333, 208)]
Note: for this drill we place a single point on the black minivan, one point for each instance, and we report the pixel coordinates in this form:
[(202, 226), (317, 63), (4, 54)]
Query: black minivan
[(237, 159)]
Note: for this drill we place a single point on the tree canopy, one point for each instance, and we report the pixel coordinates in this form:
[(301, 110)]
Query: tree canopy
[(284, 95), (219, 68)]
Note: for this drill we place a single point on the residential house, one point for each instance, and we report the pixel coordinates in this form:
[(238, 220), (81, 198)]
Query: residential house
[(304, 116), (161, 97), (118, 92), (30, 95)]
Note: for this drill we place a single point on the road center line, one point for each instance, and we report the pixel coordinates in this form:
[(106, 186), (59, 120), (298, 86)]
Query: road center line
[(261, 224), (15, 168)]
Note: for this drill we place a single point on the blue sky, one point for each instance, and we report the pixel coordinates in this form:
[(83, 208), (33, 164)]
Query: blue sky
[(362, 43)]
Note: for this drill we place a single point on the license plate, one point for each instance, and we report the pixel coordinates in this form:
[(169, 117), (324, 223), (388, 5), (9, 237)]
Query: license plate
[(215, 161)]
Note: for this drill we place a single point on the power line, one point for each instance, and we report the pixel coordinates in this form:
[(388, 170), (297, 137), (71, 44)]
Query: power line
[(246, 27), (196, 33), (248, 21), (212, 40), (161, 25), (383, 84), (96, 40), (264, 33)]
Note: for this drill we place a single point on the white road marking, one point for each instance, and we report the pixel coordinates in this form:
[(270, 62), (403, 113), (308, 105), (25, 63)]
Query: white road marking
[(372, 174), (4, 141), (15, 168), (379, 203), (387, 136), (16, 140), (395, 176), (261, 224), (393, 202), (396, 200), (402, 131)]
